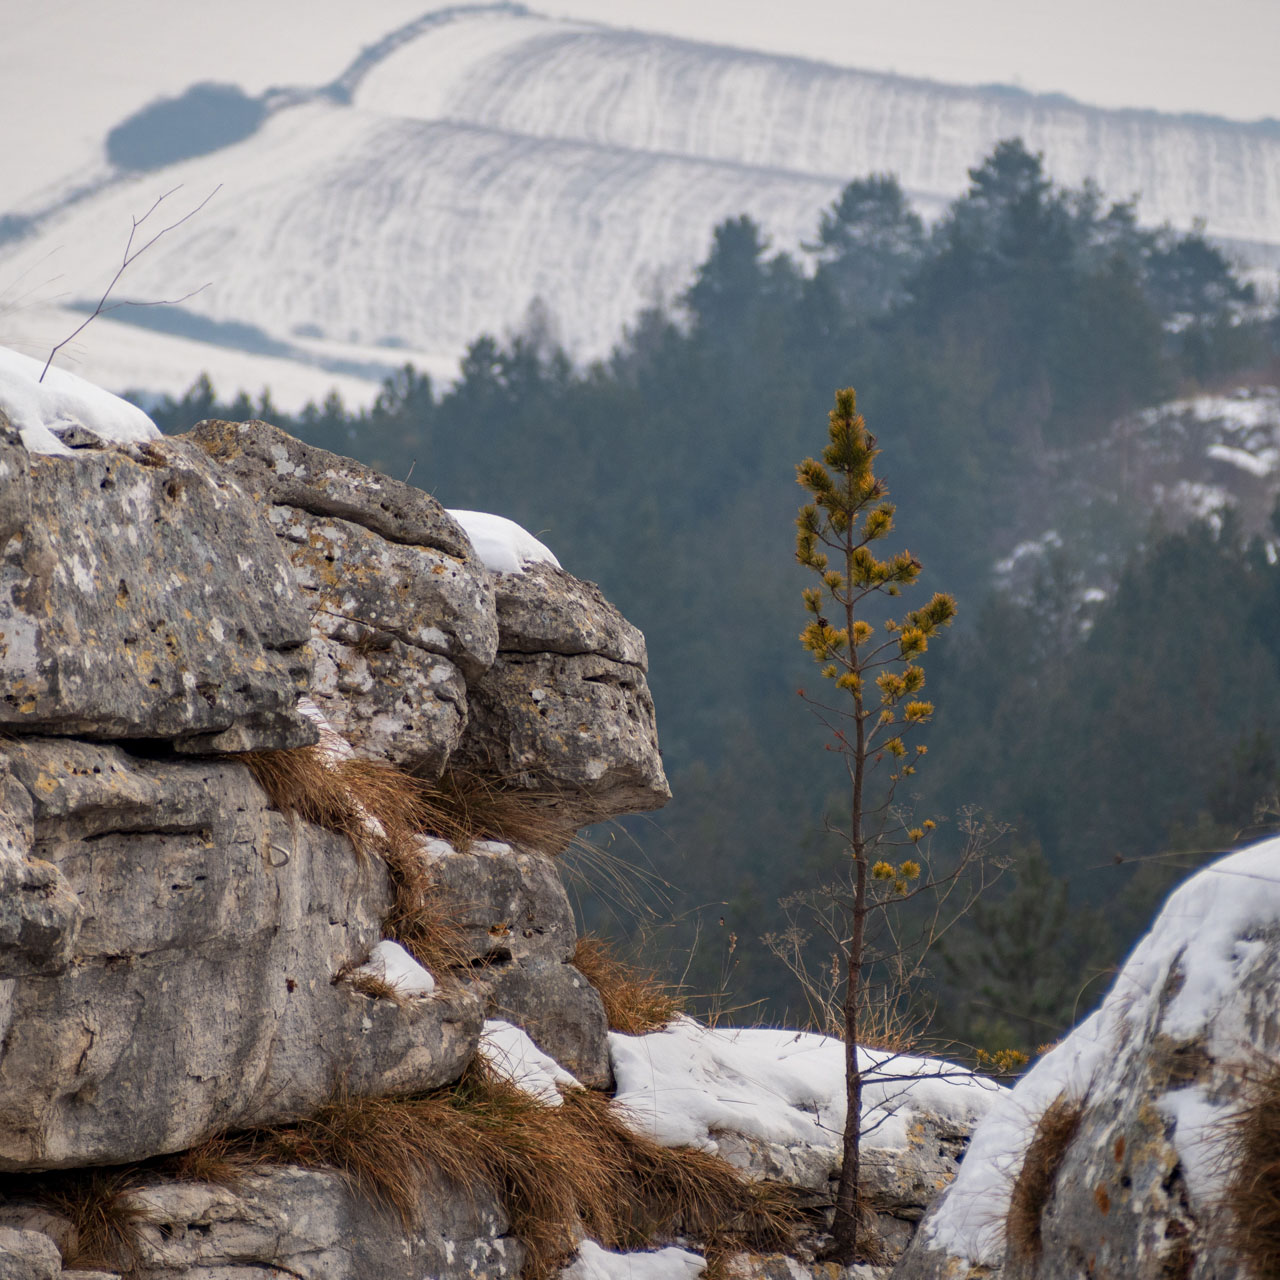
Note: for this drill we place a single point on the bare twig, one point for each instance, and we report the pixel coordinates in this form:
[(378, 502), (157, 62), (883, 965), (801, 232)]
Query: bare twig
[(131, 255)]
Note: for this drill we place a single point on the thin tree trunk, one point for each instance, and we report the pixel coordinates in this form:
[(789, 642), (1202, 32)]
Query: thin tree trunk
[(844, 1229)]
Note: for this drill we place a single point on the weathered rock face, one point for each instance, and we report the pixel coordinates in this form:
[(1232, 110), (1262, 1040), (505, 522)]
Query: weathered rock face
[(402, 612), (306, 1223), (1158, 1077), (143, 597), (899, 1183), (171, 947), (520, 933), (566, 708), (200, 995), (28, 1255), (39, 914), (15, 482), (314, 1226)]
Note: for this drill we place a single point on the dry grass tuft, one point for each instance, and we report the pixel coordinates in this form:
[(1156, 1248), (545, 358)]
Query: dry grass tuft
[(482, 807), (1251, 1150), (382, 811), (634, 1001), (97, 1203), (662, 1192), (1034, 1184), (222, 1159), (558, 1171), (372, 985)]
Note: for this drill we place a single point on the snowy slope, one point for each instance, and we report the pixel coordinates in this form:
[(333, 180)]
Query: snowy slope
[(1187, 981), (462, 164)]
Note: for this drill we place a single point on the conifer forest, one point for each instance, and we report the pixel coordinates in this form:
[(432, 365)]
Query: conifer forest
[(1110, 687)]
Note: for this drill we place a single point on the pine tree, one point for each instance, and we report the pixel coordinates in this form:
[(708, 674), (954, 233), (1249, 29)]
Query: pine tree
[(879, 679)]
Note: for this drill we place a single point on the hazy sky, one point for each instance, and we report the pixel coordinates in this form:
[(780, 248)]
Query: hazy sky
[(1215, 56)]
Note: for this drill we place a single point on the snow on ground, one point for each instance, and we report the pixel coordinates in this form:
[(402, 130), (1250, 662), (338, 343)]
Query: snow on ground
[(595, 1263), (1240, 428), (40, 408), (513, 1055), (684, 1084), (1206, 936), (390, 962), (501, 544)]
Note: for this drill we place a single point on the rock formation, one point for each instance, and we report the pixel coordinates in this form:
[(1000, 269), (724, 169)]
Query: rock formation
[(1141, 1147), (180, 948)]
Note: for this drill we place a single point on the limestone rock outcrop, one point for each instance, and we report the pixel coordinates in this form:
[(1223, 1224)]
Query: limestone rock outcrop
[(401, 610), (180, 958), (565, 709), (1139, 1184), (200, 992), (518, 926), (142, 596), (40, 915), (314, 1225)]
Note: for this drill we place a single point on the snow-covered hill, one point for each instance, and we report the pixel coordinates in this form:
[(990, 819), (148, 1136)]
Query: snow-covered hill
[(474, 160)]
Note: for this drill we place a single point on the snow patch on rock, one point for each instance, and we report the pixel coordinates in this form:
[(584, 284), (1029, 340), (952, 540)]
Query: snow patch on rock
[(595, 1263), (40, 410), (687, 1083), (511, 1053), (392, 964), (501, 544), (1180, 981)]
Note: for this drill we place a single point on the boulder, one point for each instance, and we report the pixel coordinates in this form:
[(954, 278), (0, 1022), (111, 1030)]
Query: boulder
[(519, 929), (148, 599), (565, 709), (402, 611), (201, 992), (313, 1225), (561, 1012), (1139, 1185), (899, 1182)]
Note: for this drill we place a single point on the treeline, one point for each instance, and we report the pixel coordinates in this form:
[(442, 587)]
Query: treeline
[(987, 352)]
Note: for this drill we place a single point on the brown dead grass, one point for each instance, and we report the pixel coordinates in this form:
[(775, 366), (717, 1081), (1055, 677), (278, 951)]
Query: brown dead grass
[(222, 1159), (558, 1171), (372, 985), (1251, 1150), (1034, 1184), (382, 811), (634, 1001), (106, 1223)]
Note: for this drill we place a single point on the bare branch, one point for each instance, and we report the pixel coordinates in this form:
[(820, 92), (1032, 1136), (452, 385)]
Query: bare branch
[(131, 255)]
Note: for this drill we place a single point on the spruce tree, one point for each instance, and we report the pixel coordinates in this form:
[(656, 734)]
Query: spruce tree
[(878, 679)]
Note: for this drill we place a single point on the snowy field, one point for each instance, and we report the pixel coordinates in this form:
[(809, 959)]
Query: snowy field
[(420, 180)]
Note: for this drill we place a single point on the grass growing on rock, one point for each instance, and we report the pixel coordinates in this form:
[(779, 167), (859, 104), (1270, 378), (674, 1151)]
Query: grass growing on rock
[(1251, 1151), (1035, 1182), (104, 1220), (635, 1001), (557, 1171), (384, 812)]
